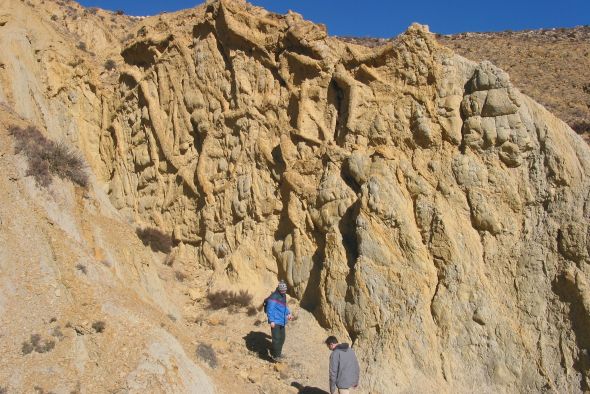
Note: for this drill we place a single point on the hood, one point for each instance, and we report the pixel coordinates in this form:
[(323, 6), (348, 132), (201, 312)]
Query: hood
[(343, 347)]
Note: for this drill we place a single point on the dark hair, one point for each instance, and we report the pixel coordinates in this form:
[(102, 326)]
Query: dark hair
[(331, 340)]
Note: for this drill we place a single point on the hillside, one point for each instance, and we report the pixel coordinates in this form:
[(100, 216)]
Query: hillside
[(549, 65), (417, 203)]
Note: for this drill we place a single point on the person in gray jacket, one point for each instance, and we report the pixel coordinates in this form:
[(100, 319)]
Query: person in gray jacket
[(344, 367)]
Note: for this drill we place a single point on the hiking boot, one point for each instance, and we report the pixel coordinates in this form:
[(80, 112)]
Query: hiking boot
[(277, 359)]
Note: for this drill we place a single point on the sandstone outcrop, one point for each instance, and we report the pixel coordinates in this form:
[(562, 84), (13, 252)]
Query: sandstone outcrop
[(415, 201)]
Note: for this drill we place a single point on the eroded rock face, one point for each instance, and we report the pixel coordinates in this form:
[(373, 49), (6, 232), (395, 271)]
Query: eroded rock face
[(415, 201)]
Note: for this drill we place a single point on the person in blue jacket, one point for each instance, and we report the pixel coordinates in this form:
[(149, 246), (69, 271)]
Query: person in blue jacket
[(278, 314)]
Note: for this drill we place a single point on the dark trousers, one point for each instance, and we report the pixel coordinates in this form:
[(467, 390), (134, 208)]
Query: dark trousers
[(278, 339)]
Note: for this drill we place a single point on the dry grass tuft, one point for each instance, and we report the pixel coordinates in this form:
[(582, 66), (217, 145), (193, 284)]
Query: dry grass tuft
[(224, 299), (252, 311), (47, 158), (82, 268), (180, 276), (110, 65), (36, 344), (206, 353), (99, 326)]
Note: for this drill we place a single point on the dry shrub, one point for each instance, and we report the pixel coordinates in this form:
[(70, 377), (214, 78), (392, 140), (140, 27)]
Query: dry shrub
[(35, 344), (179, 276), (581, 127), (110, 65), (155, 239), (206, 353), (224, 298), (99, 326), (81, 268), (82, 46), (56, 332), (251, 311), (47, 158)]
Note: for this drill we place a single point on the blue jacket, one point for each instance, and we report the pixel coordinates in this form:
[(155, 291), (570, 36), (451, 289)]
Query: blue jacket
[(277, 309)]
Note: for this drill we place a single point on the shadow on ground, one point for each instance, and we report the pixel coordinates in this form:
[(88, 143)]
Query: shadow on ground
[(307, 389), (259, 343)]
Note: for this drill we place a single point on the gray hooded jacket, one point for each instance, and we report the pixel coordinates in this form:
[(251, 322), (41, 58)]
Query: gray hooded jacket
[(344, 368)]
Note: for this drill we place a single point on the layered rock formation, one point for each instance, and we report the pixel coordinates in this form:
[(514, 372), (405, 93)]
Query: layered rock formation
[(415, 201)]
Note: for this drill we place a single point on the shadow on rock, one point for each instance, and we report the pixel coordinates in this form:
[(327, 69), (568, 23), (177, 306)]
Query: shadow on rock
[(307, 389), (259, 343)]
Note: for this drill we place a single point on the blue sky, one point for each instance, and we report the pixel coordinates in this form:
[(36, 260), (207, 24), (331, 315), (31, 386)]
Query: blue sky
[(388, 18)]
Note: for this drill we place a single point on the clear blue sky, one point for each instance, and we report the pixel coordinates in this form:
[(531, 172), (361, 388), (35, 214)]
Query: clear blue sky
[(388, 18)]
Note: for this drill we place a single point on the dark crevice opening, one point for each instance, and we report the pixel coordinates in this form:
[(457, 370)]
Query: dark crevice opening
[(337, 98)]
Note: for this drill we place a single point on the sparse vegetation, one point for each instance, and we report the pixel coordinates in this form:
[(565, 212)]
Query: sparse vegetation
[(54, 17), (99, 326), (36, 344), (224, 298), (82, 268), (155, 239), (82, 46), (179, 276), (251, 311), (119, 12), (110, 65), (206, 353), (56, 332), (47, 158), (581, 127)]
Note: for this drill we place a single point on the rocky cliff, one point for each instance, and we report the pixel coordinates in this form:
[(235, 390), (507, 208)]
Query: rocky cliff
[(415, 202)]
